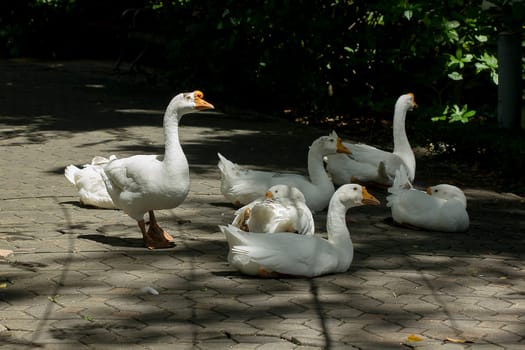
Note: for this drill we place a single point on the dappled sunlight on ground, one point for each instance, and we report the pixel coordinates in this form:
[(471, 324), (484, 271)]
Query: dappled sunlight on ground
[(80, 278)]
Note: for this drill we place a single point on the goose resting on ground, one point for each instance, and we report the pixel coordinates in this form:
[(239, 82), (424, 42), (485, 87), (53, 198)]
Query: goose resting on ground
[(441, 208), (284, 254), (282, 210), (143, 183), (241, 185), (368, 164)]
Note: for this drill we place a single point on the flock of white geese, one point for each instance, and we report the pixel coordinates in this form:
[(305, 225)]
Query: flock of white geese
[(273, 233)]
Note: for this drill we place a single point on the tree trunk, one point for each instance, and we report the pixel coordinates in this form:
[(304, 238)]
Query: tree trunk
[(509, 80)]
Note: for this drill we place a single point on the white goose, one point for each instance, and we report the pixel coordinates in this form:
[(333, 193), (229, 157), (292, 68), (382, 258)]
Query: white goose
[(278, 254), (144, 183), (241, 186), (441, 208), (370, 164), (282, 210), (88, 181)]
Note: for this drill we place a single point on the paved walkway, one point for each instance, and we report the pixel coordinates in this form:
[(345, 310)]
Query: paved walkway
[(79, 278)]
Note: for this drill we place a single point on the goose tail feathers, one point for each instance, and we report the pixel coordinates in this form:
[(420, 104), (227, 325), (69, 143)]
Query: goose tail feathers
[(69, 172), (401, 184)]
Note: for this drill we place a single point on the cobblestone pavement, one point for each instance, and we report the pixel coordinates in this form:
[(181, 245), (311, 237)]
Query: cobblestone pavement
[(79, 278)]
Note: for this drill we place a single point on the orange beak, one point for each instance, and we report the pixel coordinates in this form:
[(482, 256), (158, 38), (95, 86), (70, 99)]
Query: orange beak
[(342, 148), (269, 195), (200, 103), (413, 99), (429, 191), (368, 198)]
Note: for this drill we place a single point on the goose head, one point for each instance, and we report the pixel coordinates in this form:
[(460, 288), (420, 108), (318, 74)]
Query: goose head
[(285, 191), (352, 195), (188, 102), (407, 102), (447, 192), (330, 144)]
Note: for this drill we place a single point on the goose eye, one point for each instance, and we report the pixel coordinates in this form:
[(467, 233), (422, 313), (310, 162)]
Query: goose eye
[(436, 190), (355, 188)]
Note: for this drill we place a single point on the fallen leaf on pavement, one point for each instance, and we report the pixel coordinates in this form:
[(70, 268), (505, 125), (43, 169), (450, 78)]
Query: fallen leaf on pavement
[(413, 337)]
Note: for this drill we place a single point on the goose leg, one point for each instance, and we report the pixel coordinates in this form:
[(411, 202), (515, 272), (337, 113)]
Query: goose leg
[(156, 231), (152, 241), (148, 241)]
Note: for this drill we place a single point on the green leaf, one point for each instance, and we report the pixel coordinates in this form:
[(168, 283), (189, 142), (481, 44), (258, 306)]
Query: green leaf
[(480, 67), (469, 114), (495, 78), (452, 24), (481, 38), (408, 14), (453, 36), (455, 76)]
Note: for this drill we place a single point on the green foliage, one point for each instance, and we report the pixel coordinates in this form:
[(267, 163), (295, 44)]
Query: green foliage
[(317, 58), (456, 114), (487, 62)]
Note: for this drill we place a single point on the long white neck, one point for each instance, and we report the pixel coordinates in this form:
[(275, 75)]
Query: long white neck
[(174, 157), (401, 145), (338, 233), (316, 170)]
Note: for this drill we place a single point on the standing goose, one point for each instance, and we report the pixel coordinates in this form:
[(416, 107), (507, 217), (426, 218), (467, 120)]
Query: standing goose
[(370, 164), (143, 183), (278, 254), (441, 208), (241, 186), (282, 210)]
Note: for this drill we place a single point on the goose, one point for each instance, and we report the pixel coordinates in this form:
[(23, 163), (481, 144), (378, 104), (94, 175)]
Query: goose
[(368, 164), (89, 183), (240, 185), (441, 208), (143, 183), (283, 209), (284, 254)]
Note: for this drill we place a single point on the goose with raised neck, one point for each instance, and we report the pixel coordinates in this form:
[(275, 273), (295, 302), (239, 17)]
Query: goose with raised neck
[(369, 164), (141, 184)]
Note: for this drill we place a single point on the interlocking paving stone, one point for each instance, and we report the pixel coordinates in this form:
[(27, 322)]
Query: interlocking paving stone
[(79, 277)]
